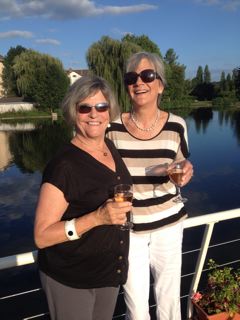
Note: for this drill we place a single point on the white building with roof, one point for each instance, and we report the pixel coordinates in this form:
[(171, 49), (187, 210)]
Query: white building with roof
[(74, 75)]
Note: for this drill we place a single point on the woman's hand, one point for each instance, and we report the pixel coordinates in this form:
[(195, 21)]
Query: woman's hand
[(113, 212), (187, 172)]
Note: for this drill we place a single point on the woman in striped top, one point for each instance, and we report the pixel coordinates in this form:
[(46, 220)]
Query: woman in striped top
[(148, 140)]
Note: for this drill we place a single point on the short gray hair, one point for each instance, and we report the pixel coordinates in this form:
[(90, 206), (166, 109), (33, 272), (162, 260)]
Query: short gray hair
[(135, 59), (83, 88)]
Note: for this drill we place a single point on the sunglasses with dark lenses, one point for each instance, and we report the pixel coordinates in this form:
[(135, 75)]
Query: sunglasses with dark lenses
[(147, 75), (86, 108)]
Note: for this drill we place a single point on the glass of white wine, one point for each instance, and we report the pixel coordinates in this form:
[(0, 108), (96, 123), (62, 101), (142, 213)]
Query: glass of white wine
[(175, 173), (124, 192)]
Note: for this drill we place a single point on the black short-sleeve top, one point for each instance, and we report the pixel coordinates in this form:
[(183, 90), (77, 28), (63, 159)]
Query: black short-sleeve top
[(99, 257)]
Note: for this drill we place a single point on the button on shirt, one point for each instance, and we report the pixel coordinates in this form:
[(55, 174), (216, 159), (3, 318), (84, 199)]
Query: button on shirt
[(93, 260)]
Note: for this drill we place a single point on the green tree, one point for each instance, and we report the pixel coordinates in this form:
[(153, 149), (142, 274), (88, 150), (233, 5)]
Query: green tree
[(143, 42), (203, 89), (222, 83), (225, 91), (29, 148), (236, 79), (175, 75), (228, 82), (226, 86), (229, 86), (106, 58), (8, 77), (199, 75), (171, 57), (40, 78), (206, 75)]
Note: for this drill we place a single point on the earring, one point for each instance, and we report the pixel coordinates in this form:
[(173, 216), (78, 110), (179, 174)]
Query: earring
[(109, 125)]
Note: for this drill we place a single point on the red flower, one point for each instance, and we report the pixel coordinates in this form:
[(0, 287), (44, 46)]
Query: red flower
[(196, 296)]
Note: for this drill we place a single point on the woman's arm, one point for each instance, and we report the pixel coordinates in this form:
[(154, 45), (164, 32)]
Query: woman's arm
[(49, 229)]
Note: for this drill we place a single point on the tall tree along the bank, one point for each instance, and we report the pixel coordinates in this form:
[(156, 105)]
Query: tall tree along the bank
[(107, 58), (40, 78)]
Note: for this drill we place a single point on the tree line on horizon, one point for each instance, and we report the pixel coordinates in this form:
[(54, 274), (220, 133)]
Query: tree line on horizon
[(41, 78)]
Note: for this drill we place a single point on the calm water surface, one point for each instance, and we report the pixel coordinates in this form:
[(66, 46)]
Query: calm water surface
[(214, 139)]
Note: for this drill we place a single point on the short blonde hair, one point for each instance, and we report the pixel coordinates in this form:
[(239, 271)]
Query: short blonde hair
[(81, 89), (136, 58)]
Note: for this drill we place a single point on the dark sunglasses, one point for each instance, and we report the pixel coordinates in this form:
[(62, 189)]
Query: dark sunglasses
[(147, 75), (86, 108)]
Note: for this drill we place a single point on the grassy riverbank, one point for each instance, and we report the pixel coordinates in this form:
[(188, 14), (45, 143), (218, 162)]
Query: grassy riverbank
[(35, 113), (32, 114)]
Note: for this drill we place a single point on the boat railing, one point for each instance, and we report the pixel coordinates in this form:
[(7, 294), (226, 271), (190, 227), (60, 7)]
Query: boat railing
[(209, 220)]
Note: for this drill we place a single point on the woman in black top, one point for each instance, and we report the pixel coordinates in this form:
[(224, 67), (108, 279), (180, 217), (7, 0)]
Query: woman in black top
[(82, 251)]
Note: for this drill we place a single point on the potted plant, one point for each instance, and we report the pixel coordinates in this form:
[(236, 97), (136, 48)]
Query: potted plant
[(220, 300)]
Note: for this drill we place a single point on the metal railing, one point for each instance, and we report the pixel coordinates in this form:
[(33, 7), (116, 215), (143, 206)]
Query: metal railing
[(209, 220)]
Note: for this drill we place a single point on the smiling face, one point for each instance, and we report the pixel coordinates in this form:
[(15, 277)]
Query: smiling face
[(145, 94), (92, 125)]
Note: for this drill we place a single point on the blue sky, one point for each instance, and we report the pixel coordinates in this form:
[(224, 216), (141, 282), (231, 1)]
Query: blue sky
[(201, 32)]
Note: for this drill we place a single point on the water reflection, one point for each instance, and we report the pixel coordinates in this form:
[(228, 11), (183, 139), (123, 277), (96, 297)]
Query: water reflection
[(17, 126), (5, 154), (30, 145), (234, 119), (215, 153), (214, 138), (32, 149), (202, 117), (24, 153)]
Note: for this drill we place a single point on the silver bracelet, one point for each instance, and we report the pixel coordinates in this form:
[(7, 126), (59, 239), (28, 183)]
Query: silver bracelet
[(70, 230)]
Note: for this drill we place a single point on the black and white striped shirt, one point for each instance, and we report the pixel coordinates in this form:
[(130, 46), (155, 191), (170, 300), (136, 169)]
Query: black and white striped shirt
[(153, 193)]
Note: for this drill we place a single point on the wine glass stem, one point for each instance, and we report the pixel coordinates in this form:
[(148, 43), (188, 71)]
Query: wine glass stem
[(178, 191)]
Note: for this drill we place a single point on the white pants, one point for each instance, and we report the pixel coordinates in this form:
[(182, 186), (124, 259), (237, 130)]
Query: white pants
[(161, 251)]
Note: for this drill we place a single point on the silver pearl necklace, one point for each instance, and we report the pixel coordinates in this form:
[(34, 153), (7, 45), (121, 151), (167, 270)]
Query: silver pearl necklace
[(136, 123)]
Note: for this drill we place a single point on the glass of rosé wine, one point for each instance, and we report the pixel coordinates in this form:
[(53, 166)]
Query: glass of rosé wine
[(124, 192), (175, 173)]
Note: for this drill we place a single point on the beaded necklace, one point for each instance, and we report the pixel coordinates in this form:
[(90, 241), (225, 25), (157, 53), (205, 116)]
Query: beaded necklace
[(136, 122)]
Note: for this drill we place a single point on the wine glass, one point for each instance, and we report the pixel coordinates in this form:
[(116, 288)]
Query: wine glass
[(175, 173), (124, 192)]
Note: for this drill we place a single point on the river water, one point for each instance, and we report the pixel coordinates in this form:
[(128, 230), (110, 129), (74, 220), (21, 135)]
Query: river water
[(25, 147)]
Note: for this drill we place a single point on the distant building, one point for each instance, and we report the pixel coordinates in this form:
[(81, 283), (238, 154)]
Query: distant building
[(1, 71), (73, 75)]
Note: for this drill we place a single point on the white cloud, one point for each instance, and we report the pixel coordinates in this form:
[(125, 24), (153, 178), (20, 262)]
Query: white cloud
[(15, 34), (48, 41), (64, 9), (231, 5), (228, 5), (128, 9), (209, 2)]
